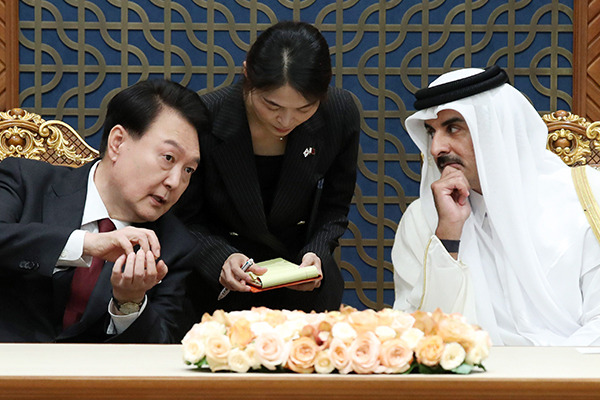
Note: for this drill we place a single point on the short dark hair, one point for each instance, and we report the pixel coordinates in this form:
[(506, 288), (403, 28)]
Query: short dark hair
[(136, 107), (290, 52)]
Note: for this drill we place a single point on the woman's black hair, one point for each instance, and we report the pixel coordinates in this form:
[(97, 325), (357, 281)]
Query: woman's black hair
[(136, 107), (290, 52)]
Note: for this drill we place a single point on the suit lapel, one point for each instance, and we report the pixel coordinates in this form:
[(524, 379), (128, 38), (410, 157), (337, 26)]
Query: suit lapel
[(234, 159), (63, 206), (299, 172)]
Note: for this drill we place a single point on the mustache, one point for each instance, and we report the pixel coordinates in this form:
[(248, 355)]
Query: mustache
[(446, 159)]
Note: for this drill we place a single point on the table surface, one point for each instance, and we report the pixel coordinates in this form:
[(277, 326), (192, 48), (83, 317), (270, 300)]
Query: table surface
[(158, 371)]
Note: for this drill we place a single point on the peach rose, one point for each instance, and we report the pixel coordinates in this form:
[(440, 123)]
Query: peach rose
[(363, 321), (429, 350), (302, 356), (274, 317), (425, 322), (395, 356), (240, 333), (193, 350), (453, 329), (452, 356), (221, 317), (340, 356), (364, 353), (323, 362), (217, 351), (238, 360), (271, 350)]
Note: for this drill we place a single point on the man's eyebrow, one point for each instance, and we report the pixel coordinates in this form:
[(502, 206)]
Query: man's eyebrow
[(452, 121), (179, 148)]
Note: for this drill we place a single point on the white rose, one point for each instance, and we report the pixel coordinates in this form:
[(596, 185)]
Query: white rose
[(324, 363), (238, 360), (480, 349), (411, 337), (344, 332), (385, 333), (252, 357), (452, 356), (258, 328), (211, 328), (194, 333), (193, 350), (289, 329)]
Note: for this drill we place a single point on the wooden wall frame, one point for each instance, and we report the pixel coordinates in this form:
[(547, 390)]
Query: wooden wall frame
[(586, 57), (9, 54)]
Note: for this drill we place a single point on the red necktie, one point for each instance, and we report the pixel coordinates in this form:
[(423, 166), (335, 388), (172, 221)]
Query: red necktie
[(84, 280)]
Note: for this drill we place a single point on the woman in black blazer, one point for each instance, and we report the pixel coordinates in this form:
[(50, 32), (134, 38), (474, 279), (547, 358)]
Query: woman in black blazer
[(277, 174)]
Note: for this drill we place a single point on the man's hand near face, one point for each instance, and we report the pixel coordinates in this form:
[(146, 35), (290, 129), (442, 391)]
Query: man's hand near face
[(450, 194)]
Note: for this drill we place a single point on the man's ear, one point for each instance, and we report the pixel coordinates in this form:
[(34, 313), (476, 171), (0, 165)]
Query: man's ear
[(116, 137)]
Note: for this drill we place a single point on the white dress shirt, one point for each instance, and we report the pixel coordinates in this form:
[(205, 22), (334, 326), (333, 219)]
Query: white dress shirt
[(72, 254)]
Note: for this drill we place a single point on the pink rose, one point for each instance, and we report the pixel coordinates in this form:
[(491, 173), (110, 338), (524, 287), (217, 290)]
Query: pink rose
[(302, 355), (340, 356), (395, 356), (429, 350), (364, 353), (270, 349)]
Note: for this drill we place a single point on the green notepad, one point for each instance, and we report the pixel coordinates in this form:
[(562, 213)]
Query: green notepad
[(281, 273)]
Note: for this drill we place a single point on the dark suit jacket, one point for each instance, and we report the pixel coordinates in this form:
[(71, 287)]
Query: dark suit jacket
[(224, 208), (40, 205)]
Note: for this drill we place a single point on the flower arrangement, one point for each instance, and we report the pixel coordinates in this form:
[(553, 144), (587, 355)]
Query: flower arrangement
[(364, 342)]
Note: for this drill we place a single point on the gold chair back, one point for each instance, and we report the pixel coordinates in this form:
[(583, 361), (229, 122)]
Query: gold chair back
[(25, 134), (573, 138)]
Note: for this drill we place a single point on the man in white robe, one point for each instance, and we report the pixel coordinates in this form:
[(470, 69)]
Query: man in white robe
[(498, 233)]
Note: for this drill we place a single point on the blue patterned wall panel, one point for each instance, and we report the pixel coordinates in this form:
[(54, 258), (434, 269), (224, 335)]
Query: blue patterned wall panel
[(75, 54)]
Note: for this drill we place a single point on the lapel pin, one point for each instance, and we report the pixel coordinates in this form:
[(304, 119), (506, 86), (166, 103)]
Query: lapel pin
[(309, 151)]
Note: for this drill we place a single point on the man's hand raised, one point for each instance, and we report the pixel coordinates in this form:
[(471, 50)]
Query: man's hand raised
[(450, 194), (133, 275)]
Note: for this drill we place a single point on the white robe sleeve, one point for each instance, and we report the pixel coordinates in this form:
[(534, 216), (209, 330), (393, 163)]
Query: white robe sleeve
[(426, 276)]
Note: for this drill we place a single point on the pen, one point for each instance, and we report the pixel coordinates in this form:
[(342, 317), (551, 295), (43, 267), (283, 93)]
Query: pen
[(245, 267)]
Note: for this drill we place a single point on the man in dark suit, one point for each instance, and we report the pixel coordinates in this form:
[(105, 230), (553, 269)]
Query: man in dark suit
[(59, 225)]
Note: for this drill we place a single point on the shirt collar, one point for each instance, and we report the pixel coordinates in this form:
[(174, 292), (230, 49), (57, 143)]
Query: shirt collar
[(94, 209)]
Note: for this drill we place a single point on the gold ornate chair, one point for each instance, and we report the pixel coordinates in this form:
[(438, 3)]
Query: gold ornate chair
[(27, 135), (573, 138)]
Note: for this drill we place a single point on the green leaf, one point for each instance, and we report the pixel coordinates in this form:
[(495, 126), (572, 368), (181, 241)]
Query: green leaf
[(424, 369), (463, 369), (410, 369)]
